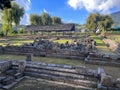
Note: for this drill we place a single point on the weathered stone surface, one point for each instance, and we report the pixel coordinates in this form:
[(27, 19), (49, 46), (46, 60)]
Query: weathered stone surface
[(21, 65), (118, 82), (18, 75), (5, 65), (10, 72), (100, 71), (106, 80), (29, 57), (8, 80)]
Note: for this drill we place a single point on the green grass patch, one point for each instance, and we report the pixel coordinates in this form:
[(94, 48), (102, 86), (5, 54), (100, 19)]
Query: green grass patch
[(63, 41), (99, 42), (15, 42)]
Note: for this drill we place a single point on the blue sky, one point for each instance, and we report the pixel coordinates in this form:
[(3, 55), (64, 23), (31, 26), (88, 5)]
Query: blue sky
[(75, 11), (59, 8)]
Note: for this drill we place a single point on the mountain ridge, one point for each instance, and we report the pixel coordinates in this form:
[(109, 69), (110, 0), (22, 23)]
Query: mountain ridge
[(116, 18)]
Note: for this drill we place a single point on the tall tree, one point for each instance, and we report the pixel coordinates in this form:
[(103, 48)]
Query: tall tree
[(11, 15), (46, 19), (56, 20), (17, 12), (35, 19), (5, 4), (97, 20), (6, 20)]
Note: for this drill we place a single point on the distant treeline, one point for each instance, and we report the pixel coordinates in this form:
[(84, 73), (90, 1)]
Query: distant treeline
[(44, 19)]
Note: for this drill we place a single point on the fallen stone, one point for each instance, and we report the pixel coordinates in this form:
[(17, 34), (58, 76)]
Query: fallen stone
[(106, 80)]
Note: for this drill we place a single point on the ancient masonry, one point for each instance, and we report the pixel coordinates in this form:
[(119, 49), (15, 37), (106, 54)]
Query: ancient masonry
[(14, 71), (91, 58)]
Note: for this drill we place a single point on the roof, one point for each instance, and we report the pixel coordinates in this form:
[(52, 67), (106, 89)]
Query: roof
[(59, 27)]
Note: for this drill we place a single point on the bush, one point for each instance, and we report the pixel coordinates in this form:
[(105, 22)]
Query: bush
[(14, 31), (21, 30), (2, 34)]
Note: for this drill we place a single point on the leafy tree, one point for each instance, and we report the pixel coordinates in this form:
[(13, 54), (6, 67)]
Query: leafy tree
[(97, 20), (5, 4), (6, 20), (17, 13), (35, 19), (46, 19), (11, 15), (56, 20)]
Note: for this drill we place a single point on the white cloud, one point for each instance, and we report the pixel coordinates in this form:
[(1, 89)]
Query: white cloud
[(25, 19), (24, 3), (44, 10), (103, 6), (27, 5)]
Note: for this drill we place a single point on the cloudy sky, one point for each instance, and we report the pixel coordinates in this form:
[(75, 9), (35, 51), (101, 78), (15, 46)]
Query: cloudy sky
[(69, 10)]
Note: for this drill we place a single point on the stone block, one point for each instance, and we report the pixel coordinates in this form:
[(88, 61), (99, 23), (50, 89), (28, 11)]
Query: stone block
[(106, 80), (1, 79), (5, 65), (100, 70), (21, 65), (29, 57), (18, 75), (10, 72), (8, 80)]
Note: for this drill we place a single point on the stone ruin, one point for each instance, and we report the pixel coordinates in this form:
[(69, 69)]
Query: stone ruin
[(14, 71), (77, 50), (8, 76), (48, 45)]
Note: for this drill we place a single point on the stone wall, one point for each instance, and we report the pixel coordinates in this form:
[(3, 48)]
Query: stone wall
[(75, 75), (112, 45), (5, 65)]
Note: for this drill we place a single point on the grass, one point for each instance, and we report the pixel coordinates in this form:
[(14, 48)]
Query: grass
[(99, 42), (15, 42), (115, 37), (63, 41), (73, 62), (101, 47)]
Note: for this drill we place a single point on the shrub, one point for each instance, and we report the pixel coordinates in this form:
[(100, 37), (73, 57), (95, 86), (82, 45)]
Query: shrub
[(14, 31), (2, 34), (21, 30)]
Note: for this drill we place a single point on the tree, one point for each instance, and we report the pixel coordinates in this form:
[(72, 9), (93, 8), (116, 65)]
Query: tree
[(56, 20), (46, 19), (17, 13), (35, 19), (6, 20), (11, 15), (5, 4), (97, 20)]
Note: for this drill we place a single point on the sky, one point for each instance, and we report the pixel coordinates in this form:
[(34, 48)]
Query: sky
[(71, 11)]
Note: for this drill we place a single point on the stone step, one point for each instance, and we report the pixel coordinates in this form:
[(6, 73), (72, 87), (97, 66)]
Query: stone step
[(64, 70), (85, 83), (67, 75)]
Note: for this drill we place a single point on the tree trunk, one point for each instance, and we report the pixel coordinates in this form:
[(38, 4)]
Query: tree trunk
[(6, 34)]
